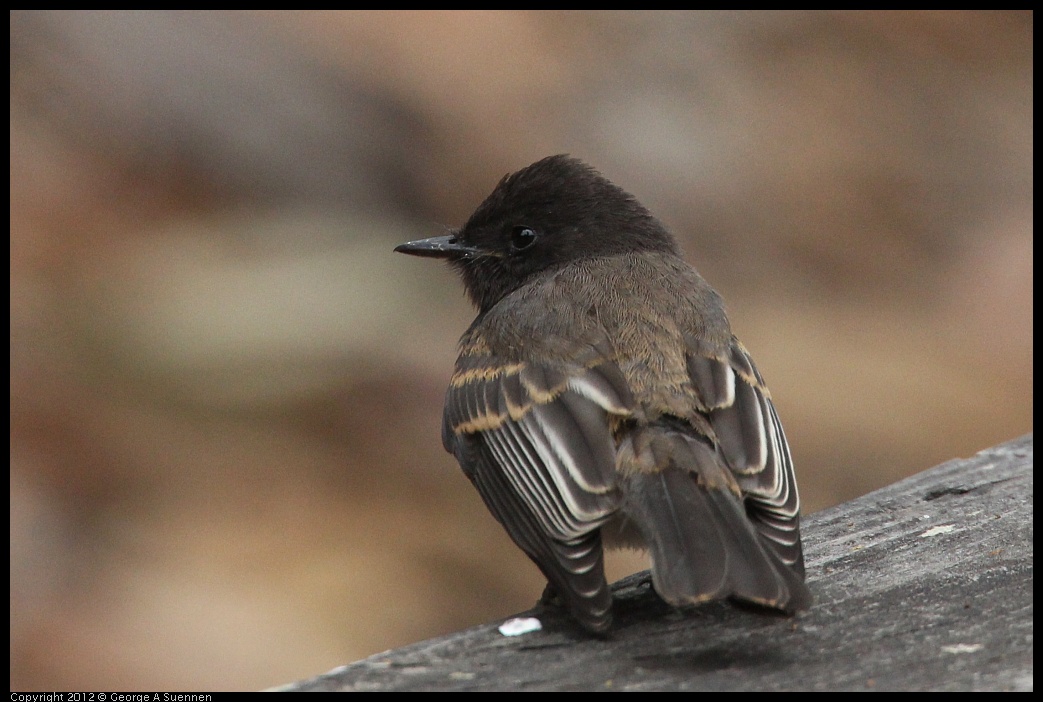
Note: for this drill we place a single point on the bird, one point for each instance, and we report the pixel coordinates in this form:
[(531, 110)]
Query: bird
[(601, 400)]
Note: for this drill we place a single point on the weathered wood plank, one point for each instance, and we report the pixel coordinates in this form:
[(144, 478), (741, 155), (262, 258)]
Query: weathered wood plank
[(923, 585)]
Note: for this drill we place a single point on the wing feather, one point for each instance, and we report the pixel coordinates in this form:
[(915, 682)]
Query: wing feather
[(536, 442), (753, 444)]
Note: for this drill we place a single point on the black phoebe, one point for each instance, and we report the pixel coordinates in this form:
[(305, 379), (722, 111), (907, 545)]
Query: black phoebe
[(600, 397)]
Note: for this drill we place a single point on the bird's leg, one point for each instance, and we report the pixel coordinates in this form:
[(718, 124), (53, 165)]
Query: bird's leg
[(550, 598)]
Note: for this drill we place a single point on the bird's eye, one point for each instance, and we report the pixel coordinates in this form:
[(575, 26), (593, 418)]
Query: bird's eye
[(522, 238)]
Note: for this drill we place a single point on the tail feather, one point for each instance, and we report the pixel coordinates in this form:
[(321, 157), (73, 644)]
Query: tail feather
[(702, 543)]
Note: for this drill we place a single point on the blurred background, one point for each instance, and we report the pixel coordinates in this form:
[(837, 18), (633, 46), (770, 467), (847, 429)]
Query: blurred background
[(226, 390)]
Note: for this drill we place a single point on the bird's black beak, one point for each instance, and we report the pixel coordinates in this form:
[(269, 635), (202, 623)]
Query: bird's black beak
[(437, 247)]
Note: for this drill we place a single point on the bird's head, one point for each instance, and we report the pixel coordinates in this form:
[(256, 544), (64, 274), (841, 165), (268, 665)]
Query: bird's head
[(549, 214)]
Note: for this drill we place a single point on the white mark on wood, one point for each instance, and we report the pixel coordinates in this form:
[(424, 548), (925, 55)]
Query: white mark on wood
[(520, 625), (963, 648), (935, 531)]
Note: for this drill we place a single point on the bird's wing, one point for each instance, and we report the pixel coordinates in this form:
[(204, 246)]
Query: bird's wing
[(752, 441), (536, 441)]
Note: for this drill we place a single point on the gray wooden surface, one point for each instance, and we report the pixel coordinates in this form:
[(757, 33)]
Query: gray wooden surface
[(923, 585)]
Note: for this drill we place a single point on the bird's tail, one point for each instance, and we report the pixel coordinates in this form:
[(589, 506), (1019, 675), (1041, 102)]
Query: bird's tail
[(689, 508)]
